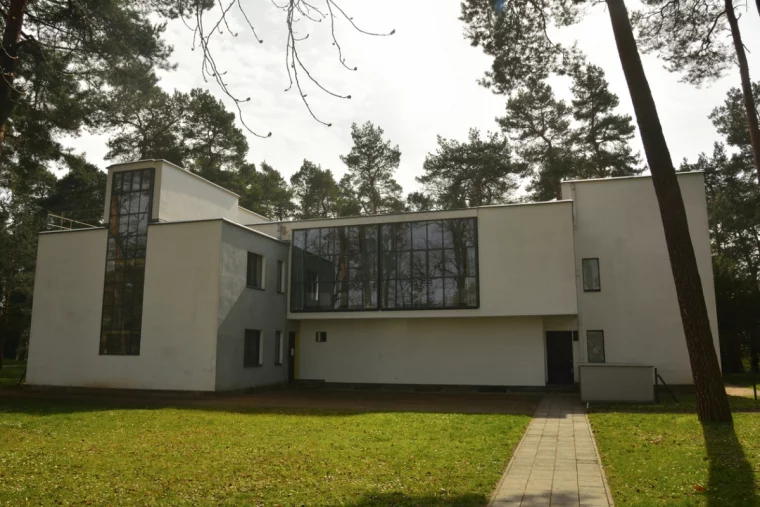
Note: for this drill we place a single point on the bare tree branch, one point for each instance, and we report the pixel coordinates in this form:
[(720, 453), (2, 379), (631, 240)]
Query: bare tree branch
[(295, 11)]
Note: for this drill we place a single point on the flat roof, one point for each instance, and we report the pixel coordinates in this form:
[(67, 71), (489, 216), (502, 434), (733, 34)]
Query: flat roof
[(613, 178), (404, 213), (221, 219), (174, 166), (254, 213)]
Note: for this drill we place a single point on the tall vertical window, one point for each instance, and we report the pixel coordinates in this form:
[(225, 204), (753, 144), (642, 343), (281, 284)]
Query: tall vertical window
[(595, 346), (407, 265), (253, 348), (255, 271), (591, 279), (129, 214), (281, 277), (279, 347)]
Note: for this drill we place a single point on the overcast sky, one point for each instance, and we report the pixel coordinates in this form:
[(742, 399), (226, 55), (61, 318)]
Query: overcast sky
[(416, 84)]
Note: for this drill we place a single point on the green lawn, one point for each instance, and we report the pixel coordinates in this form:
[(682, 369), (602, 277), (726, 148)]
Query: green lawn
[(741, 380), (11, 372), (662, 455), (54, 452)]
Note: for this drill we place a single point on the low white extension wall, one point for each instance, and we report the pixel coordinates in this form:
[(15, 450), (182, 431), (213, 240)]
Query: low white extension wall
[(451, 351), (632, 383)]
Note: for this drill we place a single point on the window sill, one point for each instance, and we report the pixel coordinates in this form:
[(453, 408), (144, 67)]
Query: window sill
[(592, 290), (254, 288), (253, 365)]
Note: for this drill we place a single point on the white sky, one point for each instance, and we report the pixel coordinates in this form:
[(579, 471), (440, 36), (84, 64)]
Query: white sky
[(415, 84)]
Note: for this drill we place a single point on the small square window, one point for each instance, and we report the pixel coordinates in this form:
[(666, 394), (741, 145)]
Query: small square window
[(253, 348), (255, 271), (278, 348), (281, 277), (595, 346), (321, 336), (591, 279)]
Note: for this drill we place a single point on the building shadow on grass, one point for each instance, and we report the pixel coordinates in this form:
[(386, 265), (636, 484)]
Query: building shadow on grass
[(397, 499), (288, 402), (686, 404), (731, 479)]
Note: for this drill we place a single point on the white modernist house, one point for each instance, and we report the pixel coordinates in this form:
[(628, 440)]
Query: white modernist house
[(181, 289)]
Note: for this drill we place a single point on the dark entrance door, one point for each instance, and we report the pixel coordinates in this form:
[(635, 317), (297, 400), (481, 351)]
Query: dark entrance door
[(559, 356), (291, 356)]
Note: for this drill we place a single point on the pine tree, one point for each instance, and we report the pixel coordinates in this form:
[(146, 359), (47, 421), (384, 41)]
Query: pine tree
[(372, 163), (476, 172), (92, 46), (539, 126), (600, 138), (692, 37), (315, 191), (276, 196)]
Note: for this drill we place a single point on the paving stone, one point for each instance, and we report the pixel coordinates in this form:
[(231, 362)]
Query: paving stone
[(556, 462)]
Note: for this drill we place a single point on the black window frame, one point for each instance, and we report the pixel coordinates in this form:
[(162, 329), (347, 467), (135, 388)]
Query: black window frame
[(442, 249), (252, 355), (279, 348), (302, 255), (126, 253), (583, 274), (604, 351), (254, 265), (321, 336)]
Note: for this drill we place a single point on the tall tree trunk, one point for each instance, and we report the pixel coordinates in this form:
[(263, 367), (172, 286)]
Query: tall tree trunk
[(8, 57), (712, 402), (749, 101)]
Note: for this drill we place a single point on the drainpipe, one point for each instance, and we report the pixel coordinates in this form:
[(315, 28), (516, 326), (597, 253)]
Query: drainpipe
[(582, 352)]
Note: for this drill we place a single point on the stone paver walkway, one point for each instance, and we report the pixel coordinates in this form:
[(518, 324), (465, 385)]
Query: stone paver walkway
[(556, 463)]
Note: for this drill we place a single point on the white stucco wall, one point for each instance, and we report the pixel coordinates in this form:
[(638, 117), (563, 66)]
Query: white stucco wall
[(526, 260), (484, 351), (618, 221), (178, 348), (178, 344), (248, 217), (241, 307), (186, 196), (68, 298)]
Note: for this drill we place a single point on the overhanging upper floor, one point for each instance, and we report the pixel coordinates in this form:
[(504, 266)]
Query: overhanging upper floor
[(511, 260)]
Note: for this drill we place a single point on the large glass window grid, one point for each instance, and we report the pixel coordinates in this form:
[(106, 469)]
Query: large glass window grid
[(334, 269), (431, 264), (129, 215), (413, 265)]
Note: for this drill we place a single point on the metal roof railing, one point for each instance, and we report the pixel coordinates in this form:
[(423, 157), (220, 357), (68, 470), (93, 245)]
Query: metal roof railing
[(58, 222)]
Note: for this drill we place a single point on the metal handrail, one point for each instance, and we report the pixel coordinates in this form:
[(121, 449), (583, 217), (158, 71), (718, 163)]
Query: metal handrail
[(657, 377), (70, 221)]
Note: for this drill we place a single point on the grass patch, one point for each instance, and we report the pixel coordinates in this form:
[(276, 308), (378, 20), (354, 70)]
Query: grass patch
[(741, 379), (662, 455), (11, 372), (68, 452)]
